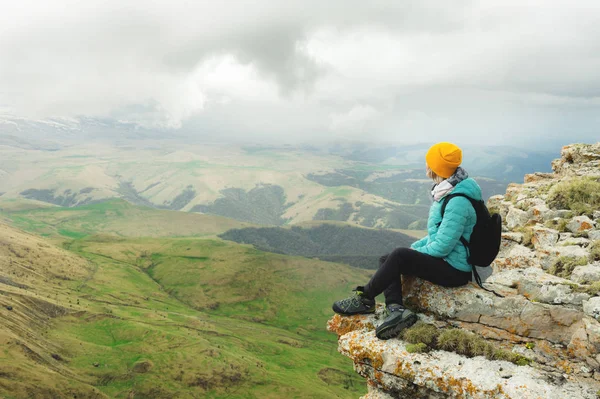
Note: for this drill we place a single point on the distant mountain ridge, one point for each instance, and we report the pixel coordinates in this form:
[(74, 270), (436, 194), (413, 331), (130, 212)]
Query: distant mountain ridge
[(77, 161), (62, 130)]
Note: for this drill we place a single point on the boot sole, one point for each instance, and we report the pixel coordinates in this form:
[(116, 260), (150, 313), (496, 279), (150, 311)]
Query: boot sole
[(393, 330), (341, 312)]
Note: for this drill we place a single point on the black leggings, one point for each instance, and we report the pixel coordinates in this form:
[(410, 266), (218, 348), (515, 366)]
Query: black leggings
[(408, 262)]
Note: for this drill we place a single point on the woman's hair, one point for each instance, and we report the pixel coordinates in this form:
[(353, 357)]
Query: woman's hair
[(431, 174)]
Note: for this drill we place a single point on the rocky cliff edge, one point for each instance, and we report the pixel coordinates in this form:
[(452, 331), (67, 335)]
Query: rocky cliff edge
[(549, 273)]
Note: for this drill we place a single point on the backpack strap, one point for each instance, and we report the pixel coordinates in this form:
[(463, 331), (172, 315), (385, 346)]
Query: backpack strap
[(445, 203), (464, 241), (448, 197)]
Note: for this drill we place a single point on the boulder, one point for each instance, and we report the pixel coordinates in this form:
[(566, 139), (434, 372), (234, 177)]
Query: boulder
[(586, 274), (514, 237), (537, 176), (549, 255), (594, 235), (586, 339), (507, 245), (543, 237), (512, 191), (578, 159), (565, 236), (504, 208), (516, 218), (592, 328), (562, 213), (539, 213), (571, 251), (519, 262), (591, 307), (526, 194), (527, 202), (580, 241), (520, 251), (535, 284), (494, 201), (514, 255), (579, 224), (560, 294)]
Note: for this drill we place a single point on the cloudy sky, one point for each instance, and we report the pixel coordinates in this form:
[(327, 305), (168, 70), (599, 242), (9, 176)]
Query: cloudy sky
[(498, 71)]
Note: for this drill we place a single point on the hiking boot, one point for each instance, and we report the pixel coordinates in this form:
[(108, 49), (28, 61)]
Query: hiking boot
[(398, 318), (358, 303)]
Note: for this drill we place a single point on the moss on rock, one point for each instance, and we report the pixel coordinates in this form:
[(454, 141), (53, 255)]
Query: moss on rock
[(417, 348), (595, 250), (421, 333), (424, 337), (563, 266)]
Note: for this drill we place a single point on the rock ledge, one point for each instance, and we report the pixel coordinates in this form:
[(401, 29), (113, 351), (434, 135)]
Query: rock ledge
[(551, 320)]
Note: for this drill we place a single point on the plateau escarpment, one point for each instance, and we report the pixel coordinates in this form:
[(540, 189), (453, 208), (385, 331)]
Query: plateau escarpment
[(540, 340)]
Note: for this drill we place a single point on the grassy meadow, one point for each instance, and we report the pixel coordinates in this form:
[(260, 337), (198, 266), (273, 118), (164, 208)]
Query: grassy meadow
[(116, 217), (122, 312)]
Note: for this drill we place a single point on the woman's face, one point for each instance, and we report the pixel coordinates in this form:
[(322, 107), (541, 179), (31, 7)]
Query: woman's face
[(436, 179), (428, 172)]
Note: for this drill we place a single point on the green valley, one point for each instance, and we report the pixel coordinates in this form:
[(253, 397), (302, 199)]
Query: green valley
[(135, 316)]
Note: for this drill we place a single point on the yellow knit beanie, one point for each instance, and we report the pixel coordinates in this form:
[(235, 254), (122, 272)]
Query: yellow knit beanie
[(443, 158)]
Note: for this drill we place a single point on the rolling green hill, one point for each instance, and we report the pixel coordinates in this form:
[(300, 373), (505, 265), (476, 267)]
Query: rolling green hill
[(116, 217), (331, 241), (264, 204), (147, 317)]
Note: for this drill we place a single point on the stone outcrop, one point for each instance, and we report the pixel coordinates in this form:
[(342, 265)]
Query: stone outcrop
[(548, 312)]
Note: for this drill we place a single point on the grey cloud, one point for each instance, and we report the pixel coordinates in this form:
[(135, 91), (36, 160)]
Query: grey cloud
[(264, 32), (458, 67)]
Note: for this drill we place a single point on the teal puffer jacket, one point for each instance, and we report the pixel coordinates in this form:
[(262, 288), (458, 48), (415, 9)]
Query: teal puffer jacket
[(459, 220)]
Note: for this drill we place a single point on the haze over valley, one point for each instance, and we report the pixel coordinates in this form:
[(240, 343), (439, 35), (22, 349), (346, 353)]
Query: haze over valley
[(71, 163)]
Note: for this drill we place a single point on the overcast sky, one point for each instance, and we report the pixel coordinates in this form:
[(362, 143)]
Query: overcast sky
[(505, 71)]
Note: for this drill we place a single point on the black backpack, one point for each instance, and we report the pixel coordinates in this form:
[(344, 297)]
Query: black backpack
[(485, 239)]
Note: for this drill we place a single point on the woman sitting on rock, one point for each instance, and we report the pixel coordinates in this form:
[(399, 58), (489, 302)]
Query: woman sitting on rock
[(439, 257)]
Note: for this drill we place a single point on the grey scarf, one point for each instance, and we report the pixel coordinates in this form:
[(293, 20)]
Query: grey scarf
[(446, 186)]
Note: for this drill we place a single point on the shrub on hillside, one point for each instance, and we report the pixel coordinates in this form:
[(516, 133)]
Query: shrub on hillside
[(581, 195)]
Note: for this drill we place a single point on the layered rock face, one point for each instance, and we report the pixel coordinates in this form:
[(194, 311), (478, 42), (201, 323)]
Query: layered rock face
[(548, 271)]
